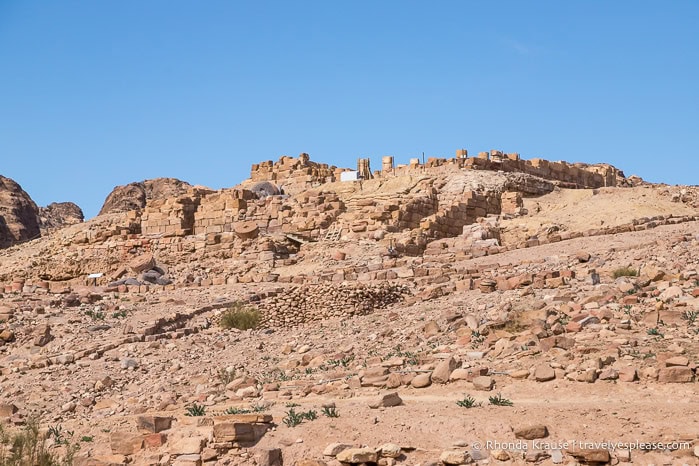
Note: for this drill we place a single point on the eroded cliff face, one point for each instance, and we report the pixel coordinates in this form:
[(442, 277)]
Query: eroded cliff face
[(22, 220), (19, 219), (58, 215), (134, 196)]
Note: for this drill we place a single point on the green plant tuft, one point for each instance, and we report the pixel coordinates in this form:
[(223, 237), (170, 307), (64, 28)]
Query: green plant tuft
[(95, 315), (119, 314), (498, 400), (237, 411), (240, 317), (690, 316), (27, 447), (292, 418), (195, 410), (469, 402), (330, 411), (226, 375), (625, 272)]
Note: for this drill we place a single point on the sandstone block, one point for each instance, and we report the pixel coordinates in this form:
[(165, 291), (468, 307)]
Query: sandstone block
[(677, 361), (7, 410), (234, 432), (270, 457), (628, 374), (421, 381), (591, 455), (675, 374), (443, 370), (388, 400), (454, 457), (335, 448), (125, 443), (42, 335), (142, 263), (531, 432), (483, 383), (389, 450), (187, 445), (357, 455), (154, 424)]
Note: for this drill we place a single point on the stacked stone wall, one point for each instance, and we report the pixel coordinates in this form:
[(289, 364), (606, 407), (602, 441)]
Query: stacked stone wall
[(303, 304), (294, 175)]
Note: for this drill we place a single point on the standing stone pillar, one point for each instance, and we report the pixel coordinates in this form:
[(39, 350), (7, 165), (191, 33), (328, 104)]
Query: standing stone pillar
[(387, 163), (364, 169)]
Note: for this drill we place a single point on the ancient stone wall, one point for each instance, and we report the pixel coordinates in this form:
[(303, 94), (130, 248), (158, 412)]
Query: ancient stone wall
[(457, 211), (511, 202), (303, 304), (217, 212), (212, 213), (255, 261), (170, 217), (565, 174), (307, 214), (294, 175)]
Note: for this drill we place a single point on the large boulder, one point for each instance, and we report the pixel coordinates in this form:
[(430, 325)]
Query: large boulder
[(59, 214), (134, 196), (19, 220)]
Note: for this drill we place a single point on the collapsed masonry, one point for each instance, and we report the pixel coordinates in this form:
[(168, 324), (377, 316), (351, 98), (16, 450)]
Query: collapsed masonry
[(311, 204), (257, 226)]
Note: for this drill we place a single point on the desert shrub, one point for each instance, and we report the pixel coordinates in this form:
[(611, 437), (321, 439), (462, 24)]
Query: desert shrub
[(330, 411), (292, 418), (469, 402), (625, 272), (27, 447), (195, 410), (240, 317), (499, 400)]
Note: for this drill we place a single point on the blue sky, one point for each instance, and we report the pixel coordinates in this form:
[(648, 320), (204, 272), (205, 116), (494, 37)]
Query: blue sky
[(95, 94)]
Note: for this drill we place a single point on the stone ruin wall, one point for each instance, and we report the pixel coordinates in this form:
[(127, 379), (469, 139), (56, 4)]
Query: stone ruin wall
[(310, 213), (310, 303), (565, 174), (294, 175), (211, 218), (214, 213), (432, 268), (436, 215)]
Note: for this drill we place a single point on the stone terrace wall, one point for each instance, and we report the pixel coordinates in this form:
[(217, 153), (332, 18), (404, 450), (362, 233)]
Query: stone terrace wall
[(567, 175), (310, 303), (214, 213), (434, 268), (307, 214), (459, 211)]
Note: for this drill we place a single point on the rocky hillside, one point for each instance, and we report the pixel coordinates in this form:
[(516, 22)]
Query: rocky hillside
[(58, 215), (22, 220), (484, 310), (18, 214)]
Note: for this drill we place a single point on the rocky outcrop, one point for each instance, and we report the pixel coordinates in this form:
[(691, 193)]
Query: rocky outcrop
[(134, 196), (18, 214), (59, 214)]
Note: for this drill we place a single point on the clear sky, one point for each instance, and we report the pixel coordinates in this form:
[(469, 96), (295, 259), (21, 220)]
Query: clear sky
[(95, 94)]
